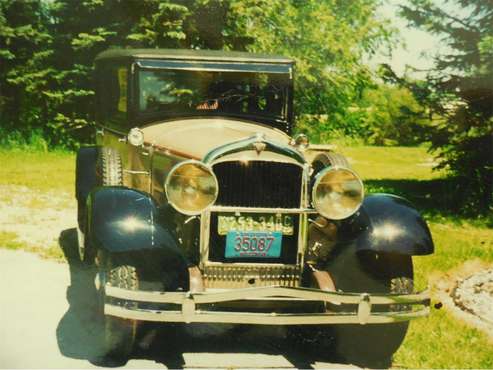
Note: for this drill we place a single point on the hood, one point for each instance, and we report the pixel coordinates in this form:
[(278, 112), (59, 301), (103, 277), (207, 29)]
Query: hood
[(194, 138)]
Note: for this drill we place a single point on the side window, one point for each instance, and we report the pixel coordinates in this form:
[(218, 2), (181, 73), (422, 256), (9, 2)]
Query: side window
[(122, 89), (112, 88)]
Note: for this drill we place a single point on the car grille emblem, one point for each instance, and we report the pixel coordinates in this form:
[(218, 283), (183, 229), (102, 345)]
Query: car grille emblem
[(259, 145)]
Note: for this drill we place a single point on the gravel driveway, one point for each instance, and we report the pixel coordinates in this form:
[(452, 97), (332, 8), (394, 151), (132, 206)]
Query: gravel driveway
[(35, 217)]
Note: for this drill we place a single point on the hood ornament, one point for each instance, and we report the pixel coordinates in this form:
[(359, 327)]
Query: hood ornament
[(259, 145)]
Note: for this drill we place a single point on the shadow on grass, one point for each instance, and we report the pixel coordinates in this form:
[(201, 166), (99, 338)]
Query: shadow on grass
[(435, 199)]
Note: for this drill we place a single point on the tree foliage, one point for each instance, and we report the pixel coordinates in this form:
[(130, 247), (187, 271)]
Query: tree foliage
[(48, 48), (393, 116), (24, 51), (460, 92)]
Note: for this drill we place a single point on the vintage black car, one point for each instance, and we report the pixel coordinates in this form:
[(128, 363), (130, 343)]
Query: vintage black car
[(198, 206)]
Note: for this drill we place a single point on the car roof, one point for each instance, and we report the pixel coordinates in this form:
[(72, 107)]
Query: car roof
[(187, 54)]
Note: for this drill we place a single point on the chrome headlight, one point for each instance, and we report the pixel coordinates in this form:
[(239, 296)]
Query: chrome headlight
[(191, 187), (337, 193)]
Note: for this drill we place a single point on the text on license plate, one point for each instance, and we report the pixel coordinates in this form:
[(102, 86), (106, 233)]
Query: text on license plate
[(255, 222), (253, 244)]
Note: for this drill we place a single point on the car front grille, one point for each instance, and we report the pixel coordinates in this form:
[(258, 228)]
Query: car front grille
[(233, 276), (259, 184)]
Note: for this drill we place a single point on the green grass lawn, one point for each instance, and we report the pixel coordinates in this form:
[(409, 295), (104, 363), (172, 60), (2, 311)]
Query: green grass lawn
[(391, 163), (440, 341), (38, 170)]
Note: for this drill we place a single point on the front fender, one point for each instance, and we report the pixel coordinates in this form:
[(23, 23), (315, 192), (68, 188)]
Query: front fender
[(125, 220), (388, 223)]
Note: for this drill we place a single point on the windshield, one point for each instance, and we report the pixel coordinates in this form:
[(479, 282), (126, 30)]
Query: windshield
[(173, 91)]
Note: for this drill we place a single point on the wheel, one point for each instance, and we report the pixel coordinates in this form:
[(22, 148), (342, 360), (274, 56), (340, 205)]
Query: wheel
[(370, 345), (373, 344), (85, 180), (108, 172), (119, 334)]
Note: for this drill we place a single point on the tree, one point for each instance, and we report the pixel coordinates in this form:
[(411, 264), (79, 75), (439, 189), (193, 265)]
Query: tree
[(23, 53), (460, 92), (392, 116)]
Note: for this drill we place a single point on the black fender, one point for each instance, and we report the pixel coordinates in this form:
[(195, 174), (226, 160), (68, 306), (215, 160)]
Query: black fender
[(127, 226), (125, 220), (390, 224)]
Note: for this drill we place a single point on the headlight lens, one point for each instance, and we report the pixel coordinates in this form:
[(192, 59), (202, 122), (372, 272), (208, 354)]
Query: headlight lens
[(337, 193), (191, 187)]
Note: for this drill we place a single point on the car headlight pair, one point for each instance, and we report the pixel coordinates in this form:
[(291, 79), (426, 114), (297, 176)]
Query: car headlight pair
[(191, 187)]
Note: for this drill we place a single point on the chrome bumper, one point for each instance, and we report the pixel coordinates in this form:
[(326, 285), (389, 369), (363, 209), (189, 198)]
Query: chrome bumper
[(189, 313)]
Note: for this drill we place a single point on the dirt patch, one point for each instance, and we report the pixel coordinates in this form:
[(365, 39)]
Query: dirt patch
[(35, 217), (475, 295), (468, 293)]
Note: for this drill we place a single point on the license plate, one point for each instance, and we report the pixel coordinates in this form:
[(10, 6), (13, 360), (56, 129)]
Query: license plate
[(258, 222), (253, 244)]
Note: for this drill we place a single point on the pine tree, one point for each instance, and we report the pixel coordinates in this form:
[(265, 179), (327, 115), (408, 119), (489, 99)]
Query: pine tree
[(24, 49), (460, 90)]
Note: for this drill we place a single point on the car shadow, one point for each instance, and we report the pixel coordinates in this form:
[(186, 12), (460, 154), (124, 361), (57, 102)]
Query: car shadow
[(240, 345), (80, 330)]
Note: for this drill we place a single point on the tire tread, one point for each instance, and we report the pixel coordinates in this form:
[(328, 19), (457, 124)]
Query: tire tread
[(111, 167)]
